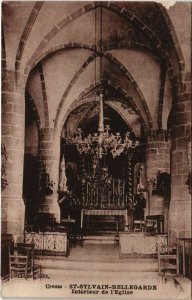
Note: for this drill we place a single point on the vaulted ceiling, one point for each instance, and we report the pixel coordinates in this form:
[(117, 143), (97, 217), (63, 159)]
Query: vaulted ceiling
[(68, 49)]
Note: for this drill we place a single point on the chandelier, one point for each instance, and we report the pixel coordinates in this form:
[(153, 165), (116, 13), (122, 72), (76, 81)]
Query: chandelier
[(104, 141)]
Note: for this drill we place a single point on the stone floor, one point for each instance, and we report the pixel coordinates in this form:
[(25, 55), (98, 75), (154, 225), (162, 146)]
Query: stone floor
[(94, 271)]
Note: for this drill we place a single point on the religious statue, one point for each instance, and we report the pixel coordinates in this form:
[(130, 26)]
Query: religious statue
[(46, 185), (140, 205), (62, 177), (139, 178), (68, 190)]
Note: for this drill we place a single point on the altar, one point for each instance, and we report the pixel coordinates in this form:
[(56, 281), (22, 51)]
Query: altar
[(104, 212)]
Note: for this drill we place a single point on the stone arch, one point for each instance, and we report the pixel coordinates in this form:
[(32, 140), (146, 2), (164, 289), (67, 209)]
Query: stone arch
[(117, 9), (71, 84), (173, 35), (62, 47), (51, 50), (37, 117), (135, 85), (80, 101), (145, 29), (82, 118), (115, 108), (129, 45), (45, 102), (131, 129), (27, 29), (108, 56), (119, 65), (63, 23), (163, 72)]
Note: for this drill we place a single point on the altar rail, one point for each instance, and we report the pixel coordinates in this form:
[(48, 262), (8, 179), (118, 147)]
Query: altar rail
[(140, 244), (110, 195), (48, 243)]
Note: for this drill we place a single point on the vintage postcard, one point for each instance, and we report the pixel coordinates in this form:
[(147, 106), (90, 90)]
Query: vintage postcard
[(96, 149)]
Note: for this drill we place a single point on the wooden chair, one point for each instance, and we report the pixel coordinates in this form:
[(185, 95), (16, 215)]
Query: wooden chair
[(151, 226), (160, 222), (138, 226), (168, 260), (21, 261)]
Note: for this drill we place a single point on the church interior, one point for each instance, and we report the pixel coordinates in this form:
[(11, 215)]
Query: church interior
[(96, 130)]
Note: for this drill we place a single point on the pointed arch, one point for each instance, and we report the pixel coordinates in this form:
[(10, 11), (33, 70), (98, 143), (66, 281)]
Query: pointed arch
[(80, 101), (131, 129), (44, 92), (135, 85), (35, 111), (122, 11), (71, 84), (112, 106), (52, 50), (172, 34), (27, 29), (122, 68)]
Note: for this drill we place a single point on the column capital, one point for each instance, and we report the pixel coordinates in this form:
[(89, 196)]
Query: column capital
[(158, 135), (48, 133)]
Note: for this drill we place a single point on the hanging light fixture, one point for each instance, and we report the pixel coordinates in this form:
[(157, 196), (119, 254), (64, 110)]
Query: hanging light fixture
[(104, 141)]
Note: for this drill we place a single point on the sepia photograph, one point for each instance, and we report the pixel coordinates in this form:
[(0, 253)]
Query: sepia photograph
[(96, 176)]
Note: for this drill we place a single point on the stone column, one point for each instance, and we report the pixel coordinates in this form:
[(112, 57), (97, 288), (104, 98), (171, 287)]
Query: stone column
[(13, 110), (49, 155), (180, 206), (157, 160)]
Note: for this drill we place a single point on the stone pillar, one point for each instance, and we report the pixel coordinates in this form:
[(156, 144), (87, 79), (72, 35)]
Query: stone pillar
[(180, 206), (13, 110), (49, 155), (157, 160)]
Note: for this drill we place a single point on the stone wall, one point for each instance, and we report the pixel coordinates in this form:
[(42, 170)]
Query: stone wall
[(12, 204), (157, 160), (180, 206)]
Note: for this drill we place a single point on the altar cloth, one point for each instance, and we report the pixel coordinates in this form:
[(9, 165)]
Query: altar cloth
[(140, 244)]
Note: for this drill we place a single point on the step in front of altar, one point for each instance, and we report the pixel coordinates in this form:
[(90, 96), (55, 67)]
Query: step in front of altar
[(99, 238), (57, 266)]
